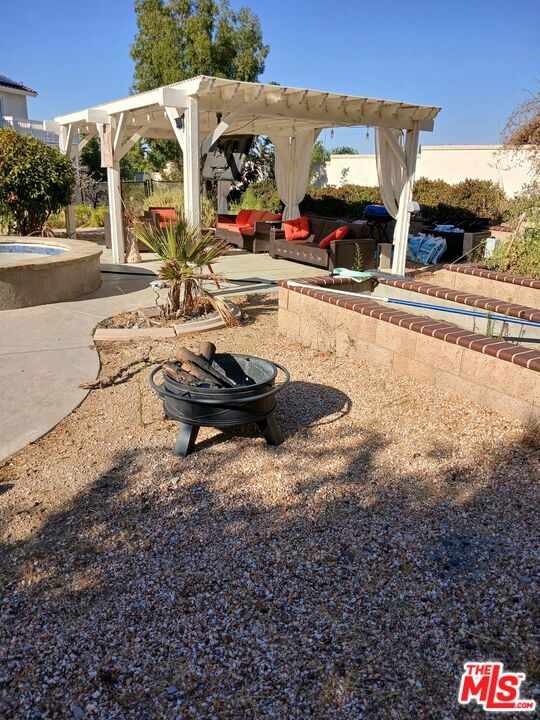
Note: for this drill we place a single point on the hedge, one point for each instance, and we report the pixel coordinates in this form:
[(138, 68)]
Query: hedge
[(438, 200)]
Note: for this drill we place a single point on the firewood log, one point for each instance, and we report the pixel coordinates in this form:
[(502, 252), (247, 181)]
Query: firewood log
[(207, 350), (199, 374), (186, 356), (175, 372)]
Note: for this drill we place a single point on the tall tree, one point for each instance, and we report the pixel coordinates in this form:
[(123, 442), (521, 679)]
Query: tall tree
[(344, 150), (179, 39)]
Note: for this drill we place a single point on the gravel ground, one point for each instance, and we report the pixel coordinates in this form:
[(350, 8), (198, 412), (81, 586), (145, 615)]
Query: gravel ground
[(347, 574)]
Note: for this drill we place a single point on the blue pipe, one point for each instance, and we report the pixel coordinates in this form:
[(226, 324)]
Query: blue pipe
[(427, 306), (473, 313)]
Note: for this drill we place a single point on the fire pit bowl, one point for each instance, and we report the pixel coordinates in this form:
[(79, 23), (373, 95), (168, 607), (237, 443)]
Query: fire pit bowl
[(251, 400)]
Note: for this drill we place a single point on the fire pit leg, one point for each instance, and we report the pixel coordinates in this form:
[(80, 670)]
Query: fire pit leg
[(185, 439), (271, 431)]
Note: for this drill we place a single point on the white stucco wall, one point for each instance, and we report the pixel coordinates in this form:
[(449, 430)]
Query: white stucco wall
[(452, 163), (13, 105)]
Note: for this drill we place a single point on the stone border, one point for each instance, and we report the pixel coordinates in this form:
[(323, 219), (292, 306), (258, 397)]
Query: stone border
[(485, 283), (190, 328), (454, 359), (445, 332), (479, 301), (492, 275), (50, 278)]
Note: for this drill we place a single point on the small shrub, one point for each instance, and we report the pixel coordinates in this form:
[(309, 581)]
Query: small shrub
[(98, 216), (185, 255), (259, 196), (482, 198), (468, 199), (83, 215), (174, 197), (521, 255), (346, 202), (57, 220), (358, 264), (133, 196), (166, 197), (35, 181), (208, 211), (524, 202)]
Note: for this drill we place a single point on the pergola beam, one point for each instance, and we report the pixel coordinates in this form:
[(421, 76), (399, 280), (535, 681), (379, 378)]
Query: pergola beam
[(119, 132), (86, 139), (223, 126), (128, 144)]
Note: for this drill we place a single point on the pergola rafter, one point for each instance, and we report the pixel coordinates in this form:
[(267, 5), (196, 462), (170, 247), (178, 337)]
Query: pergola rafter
[(198, 111)]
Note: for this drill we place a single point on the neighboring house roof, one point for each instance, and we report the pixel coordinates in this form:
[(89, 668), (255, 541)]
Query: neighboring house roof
[(14, 85)]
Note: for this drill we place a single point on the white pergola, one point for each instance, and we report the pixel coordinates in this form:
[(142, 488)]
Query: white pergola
[(197, 112)]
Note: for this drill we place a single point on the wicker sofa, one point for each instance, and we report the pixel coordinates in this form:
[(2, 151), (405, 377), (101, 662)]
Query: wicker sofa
[(250, 229), (340, 253)]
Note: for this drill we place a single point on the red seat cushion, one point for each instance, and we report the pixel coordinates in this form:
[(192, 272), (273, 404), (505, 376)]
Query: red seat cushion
[(232, 227), (246, 229), (165, 215), (297, 229), (341, 232), (268, 217)]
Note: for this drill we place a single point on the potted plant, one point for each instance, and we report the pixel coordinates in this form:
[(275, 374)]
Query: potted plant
[(186, 255)]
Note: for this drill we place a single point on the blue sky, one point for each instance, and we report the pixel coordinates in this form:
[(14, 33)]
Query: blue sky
[(475, 59)]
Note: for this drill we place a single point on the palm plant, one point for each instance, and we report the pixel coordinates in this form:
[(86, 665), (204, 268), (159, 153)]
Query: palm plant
[(186, 255)]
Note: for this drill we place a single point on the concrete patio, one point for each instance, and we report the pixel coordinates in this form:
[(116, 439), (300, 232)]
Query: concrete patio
[(47, 351)]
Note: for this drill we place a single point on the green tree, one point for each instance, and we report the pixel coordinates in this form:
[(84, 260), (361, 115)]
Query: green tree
[(319, 156), (134, 161), (179, 39), (90, 156), (344, 150), (35, 181)]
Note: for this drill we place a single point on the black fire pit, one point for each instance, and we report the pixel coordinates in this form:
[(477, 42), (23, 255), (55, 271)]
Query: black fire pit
[(251, 400)]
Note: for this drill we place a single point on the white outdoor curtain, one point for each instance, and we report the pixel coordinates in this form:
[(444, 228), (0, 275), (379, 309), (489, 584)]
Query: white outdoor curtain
[(391, 171), (293, 159)]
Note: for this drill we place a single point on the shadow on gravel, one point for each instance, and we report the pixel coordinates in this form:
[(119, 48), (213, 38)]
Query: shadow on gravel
[(317, 582)]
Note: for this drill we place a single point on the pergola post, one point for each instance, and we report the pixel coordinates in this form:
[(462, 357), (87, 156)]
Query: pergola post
[(65, 141), (115, 212), (192, 169), (403, 218)]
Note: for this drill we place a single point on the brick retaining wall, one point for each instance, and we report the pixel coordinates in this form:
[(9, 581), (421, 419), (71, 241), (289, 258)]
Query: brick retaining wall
[(470, 279), (491, 372)]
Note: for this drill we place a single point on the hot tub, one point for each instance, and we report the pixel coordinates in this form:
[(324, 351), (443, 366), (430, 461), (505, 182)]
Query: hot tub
[(38, 271)]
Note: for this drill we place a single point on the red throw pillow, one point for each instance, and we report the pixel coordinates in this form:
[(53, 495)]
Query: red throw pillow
[(341, 232), (243, 217), (297, 229)]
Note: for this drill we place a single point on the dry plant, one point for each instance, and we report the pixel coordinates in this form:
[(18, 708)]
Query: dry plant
[(522, 130)]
